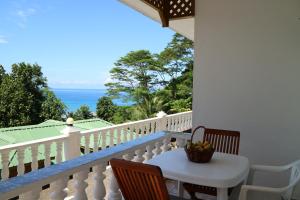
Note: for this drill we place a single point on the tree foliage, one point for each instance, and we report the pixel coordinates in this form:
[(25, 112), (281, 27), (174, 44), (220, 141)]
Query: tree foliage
[(155, 82), (52, 107), (83, 113), (105, 109), (22, 97)]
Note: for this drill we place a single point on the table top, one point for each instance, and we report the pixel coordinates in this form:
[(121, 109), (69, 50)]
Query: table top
[(223, 171)]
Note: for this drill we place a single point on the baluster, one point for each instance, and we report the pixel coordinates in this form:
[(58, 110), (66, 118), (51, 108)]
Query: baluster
[(139, 155), (125, 134), (157, 149), (118, 130), (111, 137), (87, 143), (96, 138), (80, 184), (114, 193), (165, 146), (152, 127), (98, 187), (5, 167), (34, 156), (172, 124), (180, 142), (180, 123), (131, 132), (138, 131), (148, 128), (33, 194), (103, 140), (59, 146), (186, 124), (20, 167), (149, 154), (58, 189), (47, 147), (175, 123), (129, 156)]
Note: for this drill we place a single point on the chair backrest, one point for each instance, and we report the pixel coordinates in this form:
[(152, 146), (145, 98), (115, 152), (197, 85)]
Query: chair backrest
[(139, 181), (224, 141)]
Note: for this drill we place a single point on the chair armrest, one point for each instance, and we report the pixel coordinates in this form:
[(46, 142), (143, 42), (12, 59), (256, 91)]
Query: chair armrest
[(246, 188), (268, 168)]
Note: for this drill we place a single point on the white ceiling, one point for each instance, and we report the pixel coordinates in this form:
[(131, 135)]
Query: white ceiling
[(183, 26)]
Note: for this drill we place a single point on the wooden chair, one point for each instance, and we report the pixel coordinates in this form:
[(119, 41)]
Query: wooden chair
[(139, 181), (224, 141)]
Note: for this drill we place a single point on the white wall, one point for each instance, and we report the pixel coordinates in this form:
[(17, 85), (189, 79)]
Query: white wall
[(247, 74)]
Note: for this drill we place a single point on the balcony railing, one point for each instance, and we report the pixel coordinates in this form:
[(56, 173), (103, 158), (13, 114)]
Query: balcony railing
[(73, 143), (29, 186)]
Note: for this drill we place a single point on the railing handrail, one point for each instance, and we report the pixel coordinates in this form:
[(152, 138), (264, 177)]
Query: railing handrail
[(33, 142), (20, 184), (61, 137)]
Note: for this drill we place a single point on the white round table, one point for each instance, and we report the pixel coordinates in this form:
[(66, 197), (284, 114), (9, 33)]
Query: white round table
[(223, 171)]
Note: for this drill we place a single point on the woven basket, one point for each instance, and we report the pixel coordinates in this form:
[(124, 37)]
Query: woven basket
[(196, 155)]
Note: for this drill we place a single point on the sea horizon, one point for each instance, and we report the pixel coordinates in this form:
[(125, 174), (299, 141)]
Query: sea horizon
[(76, 97)]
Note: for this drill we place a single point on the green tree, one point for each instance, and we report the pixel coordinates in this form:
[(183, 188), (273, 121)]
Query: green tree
[(123, 114), (105, 109), (52, 107), (83, 113), (2, 73), (133, 76), (21, 95)]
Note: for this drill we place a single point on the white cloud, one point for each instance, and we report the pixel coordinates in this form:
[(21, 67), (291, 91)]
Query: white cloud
[(3, 40), (23, 15)]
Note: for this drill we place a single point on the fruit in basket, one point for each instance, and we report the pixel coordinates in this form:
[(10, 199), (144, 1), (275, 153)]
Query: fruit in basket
[(201, 146)]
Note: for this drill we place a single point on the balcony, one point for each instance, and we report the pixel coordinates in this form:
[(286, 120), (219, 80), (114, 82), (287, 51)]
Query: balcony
[(138, 141)]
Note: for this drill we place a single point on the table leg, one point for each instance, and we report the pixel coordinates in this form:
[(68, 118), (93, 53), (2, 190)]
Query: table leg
[(180, 189), (222, 193)]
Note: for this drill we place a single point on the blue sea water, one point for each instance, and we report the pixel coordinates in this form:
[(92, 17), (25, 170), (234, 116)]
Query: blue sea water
[(74, 98)]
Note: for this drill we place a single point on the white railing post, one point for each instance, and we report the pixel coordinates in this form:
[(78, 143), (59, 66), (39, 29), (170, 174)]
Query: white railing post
[(72, 143), (162, 122)]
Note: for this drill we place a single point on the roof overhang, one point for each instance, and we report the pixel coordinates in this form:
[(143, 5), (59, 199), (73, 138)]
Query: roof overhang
[(184, 26)]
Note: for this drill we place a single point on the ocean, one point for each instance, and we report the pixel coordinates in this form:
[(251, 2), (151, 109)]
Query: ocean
[(74, 98)]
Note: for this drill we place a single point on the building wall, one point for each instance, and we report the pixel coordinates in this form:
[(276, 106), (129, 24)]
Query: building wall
[(247, 75)]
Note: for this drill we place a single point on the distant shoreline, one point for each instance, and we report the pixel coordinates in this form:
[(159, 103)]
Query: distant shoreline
[(74, 98)]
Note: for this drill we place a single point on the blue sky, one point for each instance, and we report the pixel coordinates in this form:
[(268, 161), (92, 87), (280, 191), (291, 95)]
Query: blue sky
[(75, 42)]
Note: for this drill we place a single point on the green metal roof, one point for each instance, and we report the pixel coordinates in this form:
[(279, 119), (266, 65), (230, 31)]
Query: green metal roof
[(46, 129)]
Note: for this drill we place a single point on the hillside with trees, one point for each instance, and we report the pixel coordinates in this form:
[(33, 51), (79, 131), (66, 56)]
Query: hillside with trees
[(25, 98), (153, 82)]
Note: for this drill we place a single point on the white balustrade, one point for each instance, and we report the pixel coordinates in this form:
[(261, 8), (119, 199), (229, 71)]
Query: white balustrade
[(34, 157), (32, 195), (47, 147), (87, 144), (69, 142), (80, 185), (98, 185), (5, 164), (58, 175), (149, 154), (118, 131), (59, 147), (139, 155), (21, 156), (58, 189), (157, 149), (96, 139), (103, 139)]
